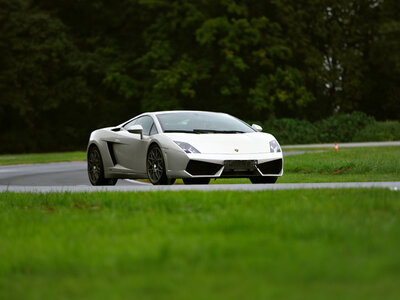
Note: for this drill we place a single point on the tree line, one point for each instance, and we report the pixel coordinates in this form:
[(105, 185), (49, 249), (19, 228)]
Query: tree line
[(68, 67)]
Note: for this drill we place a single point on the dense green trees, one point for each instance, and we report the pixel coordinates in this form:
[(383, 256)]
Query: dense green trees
[(67, 67)]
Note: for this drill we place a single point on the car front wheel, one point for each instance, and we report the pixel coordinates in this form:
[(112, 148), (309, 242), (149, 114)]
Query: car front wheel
[(96, 168), (156, 167)]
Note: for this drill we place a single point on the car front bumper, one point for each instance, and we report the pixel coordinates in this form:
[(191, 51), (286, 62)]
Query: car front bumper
[(183, 165)]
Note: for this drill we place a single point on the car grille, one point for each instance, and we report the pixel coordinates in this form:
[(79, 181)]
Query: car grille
[(239, 168), (195, 167), (271, 167)]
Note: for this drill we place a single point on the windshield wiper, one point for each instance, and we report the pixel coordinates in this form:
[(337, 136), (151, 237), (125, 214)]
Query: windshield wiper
[(204, 131), (216, 131), (198, 131), (229, 131), (180, 131)]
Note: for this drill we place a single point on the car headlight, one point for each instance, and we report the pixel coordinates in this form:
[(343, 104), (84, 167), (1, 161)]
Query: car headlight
[(187, 147), (274, 147)]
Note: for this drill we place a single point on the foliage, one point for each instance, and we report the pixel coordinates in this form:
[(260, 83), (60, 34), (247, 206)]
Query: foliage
[(336, 128), (379, 131), (292, 131), (68, 67), (342, 127)]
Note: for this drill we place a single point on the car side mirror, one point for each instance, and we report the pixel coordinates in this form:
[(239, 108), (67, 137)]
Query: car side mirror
[(136, 129), (256, 127)]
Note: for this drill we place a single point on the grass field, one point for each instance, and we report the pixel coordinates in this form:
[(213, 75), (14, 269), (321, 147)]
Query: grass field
[(12, 159), (346, 165), (301, 244), (356, 164)]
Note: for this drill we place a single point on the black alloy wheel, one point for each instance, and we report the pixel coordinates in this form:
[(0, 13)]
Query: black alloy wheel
[(201, 180), (264, 179), (96, 169), (156, 167)]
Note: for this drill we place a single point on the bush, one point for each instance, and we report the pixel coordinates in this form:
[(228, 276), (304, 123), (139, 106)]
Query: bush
[(379, 131), (342, 127), (291, 131), (337, 128)]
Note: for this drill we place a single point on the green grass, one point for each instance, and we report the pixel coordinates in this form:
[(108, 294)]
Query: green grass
[(301, 244), (358, 164), (12, 159), (355, 164), (290, 149)]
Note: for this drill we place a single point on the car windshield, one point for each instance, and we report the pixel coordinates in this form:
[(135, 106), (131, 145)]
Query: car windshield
[(202, 122)]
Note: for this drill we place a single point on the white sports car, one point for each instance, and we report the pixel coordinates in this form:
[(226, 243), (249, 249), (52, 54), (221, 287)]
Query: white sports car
[(193, 145)]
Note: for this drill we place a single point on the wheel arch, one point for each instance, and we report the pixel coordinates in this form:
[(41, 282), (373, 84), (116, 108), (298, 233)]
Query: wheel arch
[(104, 153), (165, 154), (90, 147)]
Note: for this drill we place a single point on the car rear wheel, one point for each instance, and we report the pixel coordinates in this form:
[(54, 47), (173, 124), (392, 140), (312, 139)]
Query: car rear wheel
[(156, 167), (96, 168), (263, 179), (202, 180)]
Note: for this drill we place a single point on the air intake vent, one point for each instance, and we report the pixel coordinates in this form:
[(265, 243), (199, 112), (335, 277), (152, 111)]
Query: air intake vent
[(111, 151), (271, 167), (195, 167)]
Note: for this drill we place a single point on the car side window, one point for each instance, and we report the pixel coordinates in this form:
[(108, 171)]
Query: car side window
[(130, 124), (146, 122)]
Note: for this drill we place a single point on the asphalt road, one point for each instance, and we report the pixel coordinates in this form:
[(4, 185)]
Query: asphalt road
[(50, 174)]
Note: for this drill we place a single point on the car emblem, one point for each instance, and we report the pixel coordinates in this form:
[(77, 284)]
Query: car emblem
[(236, 150)]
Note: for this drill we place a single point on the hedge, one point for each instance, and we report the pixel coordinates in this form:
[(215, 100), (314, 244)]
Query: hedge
[(356, 126)]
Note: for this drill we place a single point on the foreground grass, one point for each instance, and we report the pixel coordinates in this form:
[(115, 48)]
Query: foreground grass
[(12, 159), (303, 244)]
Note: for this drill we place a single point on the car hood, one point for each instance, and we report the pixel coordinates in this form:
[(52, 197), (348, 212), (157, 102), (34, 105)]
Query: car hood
[(245, 143)]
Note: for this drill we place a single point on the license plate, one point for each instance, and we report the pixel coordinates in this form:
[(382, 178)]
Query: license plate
[(239, 164)]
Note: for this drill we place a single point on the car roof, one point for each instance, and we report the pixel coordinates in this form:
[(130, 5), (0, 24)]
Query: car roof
[(154, 113), (182, 111)]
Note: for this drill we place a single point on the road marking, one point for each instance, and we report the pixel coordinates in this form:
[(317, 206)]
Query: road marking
[(137, 182)]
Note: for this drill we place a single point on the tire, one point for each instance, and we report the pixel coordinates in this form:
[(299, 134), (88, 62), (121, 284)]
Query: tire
[(155, 167), (96, 168), (201, 180), (264, 179)]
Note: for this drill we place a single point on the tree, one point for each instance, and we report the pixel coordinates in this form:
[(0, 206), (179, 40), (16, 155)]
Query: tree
[(68, 67), (205, 55)]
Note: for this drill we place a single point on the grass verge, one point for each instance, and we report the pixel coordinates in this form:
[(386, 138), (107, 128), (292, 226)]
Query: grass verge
[(299, 244), (13, 159), (355, 164)]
